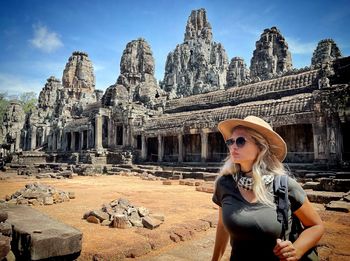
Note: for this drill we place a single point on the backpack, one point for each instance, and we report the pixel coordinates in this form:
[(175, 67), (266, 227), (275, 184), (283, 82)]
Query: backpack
[(280, 188)]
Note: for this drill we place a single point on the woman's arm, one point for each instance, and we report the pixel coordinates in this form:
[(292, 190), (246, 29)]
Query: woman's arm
[(221, 239), (308, 216)]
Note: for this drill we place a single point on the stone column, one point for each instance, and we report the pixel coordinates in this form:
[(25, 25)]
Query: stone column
[(49, 142), (59, 140), (321, 152), (181, 147), (72, 141), (18, 141), (204, 147), (33, 138), (81, 144), (160, 148), (111, 134), (54, 141), (125, 138), (98, 132), (143, 147)]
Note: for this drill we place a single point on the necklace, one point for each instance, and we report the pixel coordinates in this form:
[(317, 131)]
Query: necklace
[(247, 183)]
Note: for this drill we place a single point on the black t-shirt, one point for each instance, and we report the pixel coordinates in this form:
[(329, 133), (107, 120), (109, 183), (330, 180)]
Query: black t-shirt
[(253, 227)]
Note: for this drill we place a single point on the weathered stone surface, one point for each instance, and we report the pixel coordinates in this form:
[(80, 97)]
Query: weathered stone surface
[(325, 52), (100, 215), (136, 81), (92, 219), (13, 123), (311, 185), (3, 216), (5, 228), (143, 211), (36, 193), (79, 73), (120, 221), (37, 236), (339, 205), (151, 223), (323, 197), (159, 216), (198, 65), (271, 56), (238, 73), (5, 246), (49, 98)]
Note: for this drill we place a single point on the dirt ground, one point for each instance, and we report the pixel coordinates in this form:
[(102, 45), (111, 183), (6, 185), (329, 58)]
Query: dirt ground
[(182, 206)]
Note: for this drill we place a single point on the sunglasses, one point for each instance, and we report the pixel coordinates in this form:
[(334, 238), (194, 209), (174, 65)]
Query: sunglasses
[(240, 142)]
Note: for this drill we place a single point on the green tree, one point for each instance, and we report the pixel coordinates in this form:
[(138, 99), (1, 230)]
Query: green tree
[(28, 101), (3, 106)]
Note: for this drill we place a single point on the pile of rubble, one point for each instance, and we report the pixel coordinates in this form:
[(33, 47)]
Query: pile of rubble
[(46, 173), (39, 194), (120, 213), (5, 236)]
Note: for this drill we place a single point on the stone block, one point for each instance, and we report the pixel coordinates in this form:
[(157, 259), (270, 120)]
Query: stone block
[(3, 216), (159, 216), (120, 221), (37, 236), (6, 228), (339, 205), (311, 185), (143, 211), (93, 219), (100, 215), (5, 246), (323, 197), (150, 223)]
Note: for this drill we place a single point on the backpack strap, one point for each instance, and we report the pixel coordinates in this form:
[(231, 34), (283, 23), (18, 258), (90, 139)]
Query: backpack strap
[(280, 188)]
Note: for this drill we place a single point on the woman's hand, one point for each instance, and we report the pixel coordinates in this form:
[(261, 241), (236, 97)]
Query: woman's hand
[(285, 250)]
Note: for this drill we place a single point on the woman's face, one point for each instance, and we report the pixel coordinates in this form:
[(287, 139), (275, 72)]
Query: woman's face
[(243, 154)]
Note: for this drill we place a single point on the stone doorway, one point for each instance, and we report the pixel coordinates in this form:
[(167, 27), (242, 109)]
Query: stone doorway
[(300, 142), (217, 149), (119, 135), (76, 140), (85, 136), (69, 141), (152, 149), (192, 147), (171, 149)]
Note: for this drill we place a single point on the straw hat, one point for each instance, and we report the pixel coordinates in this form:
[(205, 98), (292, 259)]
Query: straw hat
[(277, 144)]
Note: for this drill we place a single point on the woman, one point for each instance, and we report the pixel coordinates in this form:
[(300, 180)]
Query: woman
[(244, 193)]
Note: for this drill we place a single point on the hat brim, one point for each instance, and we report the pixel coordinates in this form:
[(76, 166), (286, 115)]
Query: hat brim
[(277, 145)]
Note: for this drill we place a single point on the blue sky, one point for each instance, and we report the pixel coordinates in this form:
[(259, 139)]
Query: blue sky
[(38, 36)]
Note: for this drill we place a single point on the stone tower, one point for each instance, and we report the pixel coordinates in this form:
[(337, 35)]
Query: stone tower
[(326, 51), (271, 56), (237, 73), (79, 73), (136, 81), (198, 65)]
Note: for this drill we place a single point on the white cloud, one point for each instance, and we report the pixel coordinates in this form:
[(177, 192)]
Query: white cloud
[(297, 47), (14, 85), (45, 40)]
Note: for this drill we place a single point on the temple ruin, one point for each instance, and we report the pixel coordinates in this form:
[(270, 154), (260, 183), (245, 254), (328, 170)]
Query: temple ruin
[(138, 119)]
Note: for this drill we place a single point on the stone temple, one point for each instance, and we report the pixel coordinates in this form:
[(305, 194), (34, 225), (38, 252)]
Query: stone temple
[(174, 121)]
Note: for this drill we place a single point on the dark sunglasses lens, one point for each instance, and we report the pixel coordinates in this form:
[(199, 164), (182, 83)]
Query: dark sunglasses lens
[(240, 141), (230, 142)]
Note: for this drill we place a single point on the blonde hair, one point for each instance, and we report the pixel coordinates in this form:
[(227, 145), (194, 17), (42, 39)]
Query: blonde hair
[(266, 163)]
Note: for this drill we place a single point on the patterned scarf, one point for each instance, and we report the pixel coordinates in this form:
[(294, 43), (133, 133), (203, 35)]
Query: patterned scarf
[(247, 183)]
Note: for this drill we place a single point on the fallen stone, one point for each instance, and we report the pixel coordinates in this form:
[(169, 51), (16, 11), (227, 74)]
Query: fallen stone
[(151, 223), (311, 185), (323, 197), (339, 205), (48, 201), (100, 215), (6, 228), (3, 216), (143, 211), (71, 195), (120, 221), (37, 236), (93, 219), (5, 246), (138, 249), (167, 182)]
